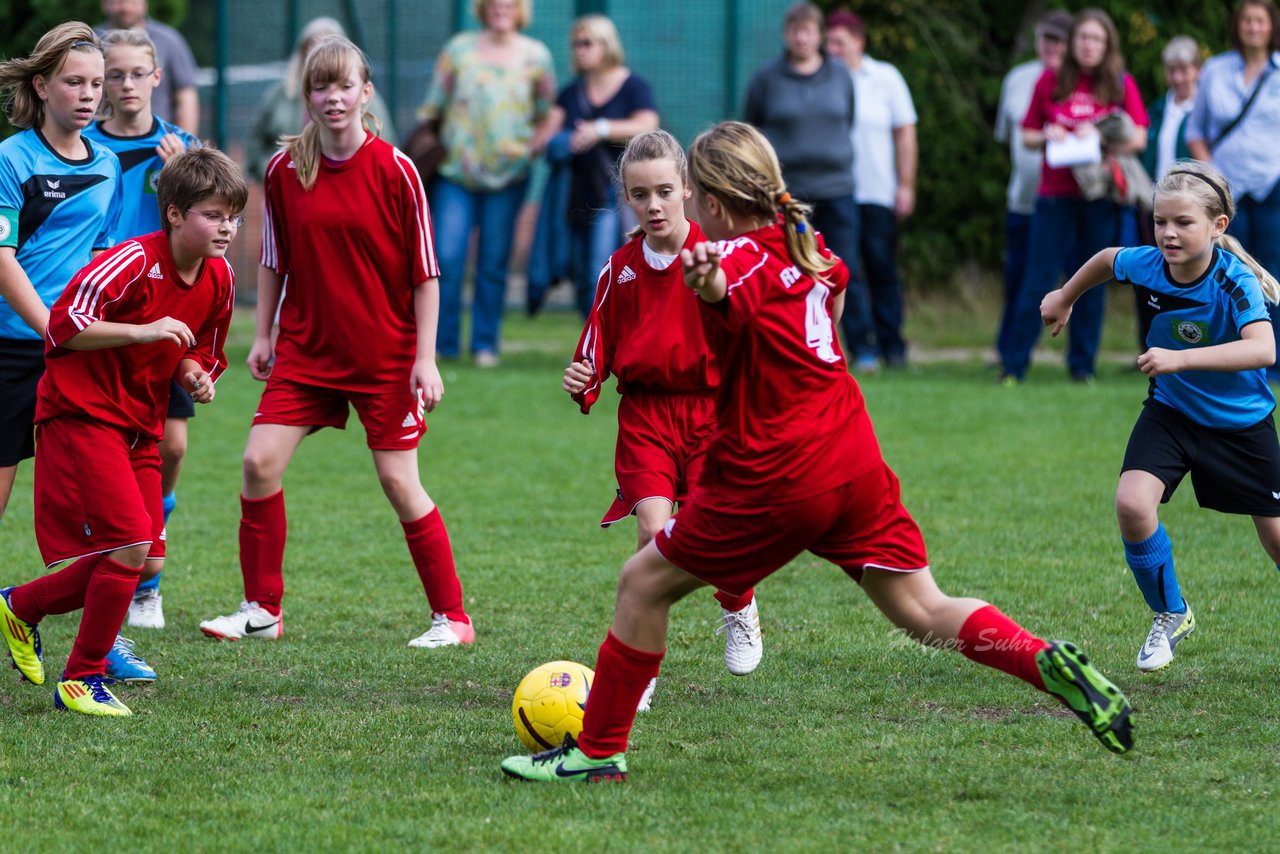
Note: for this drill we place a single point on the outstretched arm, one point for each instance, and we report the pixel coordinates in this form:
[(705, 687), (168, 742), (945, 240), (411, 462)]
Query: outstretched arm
[(702, 271), (1055, 308)]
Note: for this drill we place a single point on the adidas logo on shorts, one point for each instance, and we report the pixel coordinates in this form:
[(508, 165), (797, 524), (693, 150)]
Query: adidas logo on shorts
[(409, 421), (155, 273), (626, 275)]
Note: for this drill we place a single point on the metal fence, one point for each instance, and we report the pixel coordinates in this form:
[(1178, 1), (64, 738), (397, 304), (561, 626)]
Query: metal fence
[(696, 54)]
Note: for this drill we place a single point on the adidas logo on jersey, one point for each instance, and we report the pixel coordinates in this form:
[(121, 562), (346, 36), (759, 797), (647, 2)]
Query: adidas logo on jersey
[(154, 272), (626, 275)]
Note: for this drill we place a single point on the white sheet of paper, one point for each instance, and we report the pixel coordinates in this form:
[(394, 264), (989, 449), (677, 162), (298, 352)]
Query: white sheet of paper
[(1074, 151)]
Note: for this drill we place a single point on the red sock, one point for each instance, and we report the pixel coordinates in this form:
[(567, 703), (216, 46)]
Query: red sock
[(622, 674), (58, 592), (106, 603), (734, 603), (433, 558), (991, 638), (263, 529)]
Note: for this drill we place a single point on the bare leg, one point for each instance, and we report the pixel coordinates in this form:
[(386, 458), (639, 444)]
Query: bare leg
[(401, 483), (7, 475), (173, 450)]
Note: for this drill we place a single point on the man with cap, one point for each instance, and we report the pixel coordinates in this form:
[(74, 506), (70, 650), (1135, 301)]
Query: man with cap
[(1024, 183)]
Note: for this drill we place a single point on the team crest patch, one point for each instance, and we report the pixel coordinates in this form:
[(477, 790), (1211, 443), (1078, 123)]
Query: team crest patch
[(153, 181), (6, 225), (1191, 332)]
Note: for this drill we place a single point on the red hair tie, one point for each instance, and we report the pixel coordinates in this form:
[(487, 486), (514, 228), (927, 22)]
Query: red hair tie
[(784, 199)]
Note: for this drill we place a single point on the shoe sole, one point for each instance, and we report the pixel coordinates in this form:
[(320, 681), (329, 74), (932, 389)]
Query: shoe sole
[(219, 636), (1113, 727), (603, 777), (135, 680)]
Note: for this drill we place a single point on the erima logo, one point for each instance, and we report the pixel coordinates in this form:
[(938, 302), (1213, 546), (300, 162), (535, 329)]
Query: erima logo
[(53, 185), (1153, 302), (1276, 496), (626, 275), (155, 273)]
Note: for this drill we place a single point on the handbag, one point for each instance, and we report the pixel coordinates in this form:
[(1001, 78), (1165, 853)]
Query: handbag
[(425, 148), (1253, 96)]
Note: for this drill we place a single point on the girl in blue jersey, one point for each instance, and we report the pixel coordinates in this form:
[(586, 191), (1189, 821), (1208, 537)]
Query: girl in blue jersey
[(59, 200), (1209, 409), (144, 142)]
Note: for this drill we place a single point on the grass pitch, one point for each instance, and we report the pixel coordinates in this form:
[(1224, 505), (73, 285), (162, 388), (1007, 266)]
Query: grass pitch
[(340, 737)]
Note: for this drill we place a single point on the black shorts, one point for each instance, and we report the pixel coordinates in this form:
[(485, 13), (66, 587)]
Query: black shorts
[(180, 403), (1232, 471), (21, 366)]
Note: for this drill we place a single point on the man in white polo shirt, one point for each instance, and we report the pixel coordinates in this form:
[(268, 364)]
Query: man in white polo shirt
[(884, 151)]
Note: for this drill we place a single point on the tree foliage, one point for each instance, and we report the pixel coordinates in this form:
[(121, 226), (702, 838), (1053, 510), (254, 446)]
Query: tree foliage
[(954, 54)]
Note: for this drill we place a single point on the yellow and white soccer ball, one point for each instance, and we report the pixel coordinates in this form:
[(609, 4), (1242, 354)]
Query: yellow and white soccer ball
[(549, 703)]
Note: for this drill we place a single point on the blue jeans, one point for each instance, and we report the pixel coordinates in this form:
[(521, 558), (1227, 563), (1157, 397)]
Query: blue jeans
[(1059, 226), (589, 249), (1257, 227), (1017, 237), (837, 219), (455, 210), (880, 261)]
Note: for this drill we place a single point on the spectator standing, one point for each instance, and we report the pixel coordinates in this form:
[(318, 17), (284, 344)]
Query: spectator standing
[(803, 102), (884, 169), (491, 89), (600, 110), (175, 98), (1065, 108), (1166, 138), (1235, 123), (283, 113), (1024, 180)]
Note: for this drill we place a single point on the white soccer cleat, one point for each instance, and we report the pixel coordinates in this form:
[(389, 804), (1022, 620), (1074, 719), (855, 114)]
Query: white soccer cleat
[(444, 632), (1167, 629), (251, 621), (743, 646), (646, 699), (146, 610)]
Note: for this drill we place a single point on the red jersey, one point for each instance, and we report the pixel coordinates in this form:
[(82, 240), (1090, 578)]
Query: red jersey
[(128, 387), (350, 252), (790, 420), (645, 328)]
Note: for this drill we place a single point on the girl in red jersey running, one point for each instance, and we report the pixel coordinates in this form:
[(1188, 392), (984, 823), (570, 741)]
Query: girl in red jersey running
[(347, 226), (793, 465), (645, 330)]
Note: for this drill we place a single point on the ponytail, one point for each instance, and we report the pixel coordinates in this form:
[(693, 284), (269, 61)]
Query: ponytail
[(1270, 287), (802, 241)]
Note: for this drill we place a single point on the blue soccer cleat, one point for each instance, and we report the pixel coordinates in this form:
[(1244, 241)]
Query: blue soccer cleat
[(124, 665)]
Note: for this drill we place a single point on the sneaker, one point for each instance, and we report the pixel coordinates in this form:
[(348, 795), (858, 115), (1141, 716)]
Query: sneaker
[(566, 763), (444, 632), (251, 621), (124, 665), (146, 611), (23, 639), (646, 699), (486, 359), (1166, 630), (1069, 676), (88, 696), (743, 646)]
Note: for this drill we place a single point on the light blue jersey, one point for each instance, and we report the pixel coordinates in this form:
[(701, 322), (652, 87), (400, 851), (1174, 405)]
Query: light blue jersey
[(1211, 310), (141, 166), (55, 212)]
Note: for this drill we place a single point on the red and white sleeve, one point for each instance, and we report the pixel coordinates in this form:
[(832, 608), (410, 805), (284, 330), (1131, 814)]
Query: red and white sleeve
[(416, 221), (595, 345), (93, 292)]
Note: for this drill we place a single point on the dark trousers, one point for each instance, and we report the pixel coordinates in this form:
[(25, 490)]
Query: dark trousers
[(838, 221), (884, 288), (1257, 227)]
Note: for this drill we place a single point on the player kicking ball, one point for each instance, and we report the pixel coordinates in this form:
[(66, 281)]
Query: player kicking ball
[(152, 309)]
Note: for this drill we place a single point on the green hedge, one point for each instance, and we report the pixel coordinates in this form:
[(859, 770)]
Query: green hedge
[(954, 54)]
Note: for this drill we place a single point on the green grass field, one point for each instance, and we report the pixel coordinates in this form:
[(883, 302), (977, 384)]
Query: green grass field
[(340, 737)]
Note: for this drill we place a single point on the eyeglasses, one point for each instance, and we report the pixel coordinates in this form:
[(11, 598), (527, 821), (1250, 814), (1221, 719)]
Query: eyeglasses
[(577, 43), (117, 78), (218, 219)]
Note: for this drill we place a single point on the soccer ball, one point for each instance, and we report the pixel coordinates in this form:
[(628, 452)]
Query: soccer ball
[(549, 703)]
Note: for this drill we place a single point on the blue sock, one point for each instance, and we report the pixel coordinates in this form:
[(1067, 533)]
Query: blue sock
[(149, 584), (1152, 563), (170, 502)]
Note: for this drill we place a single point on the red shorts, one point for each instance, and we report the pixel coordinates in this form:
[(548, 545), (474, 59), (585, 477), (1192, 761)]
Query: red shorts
[(662, 444), (392, 422), (97, 489), (733, 546)]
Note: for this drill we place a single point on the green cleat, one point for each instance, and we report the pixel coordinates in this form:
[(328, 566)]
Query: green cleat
[(23, 641), (88, 696), (567, 763), (1069, 676)]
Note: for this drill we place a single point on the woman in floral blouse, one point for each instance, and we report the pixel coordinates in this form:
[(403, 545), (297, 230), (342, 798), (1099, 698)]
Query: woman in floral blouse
[(492, 92)]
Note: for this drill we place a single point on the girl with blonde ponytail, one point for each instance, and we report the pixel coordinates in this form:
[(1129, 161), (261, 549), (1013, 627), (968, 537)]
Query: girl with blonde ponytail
[(346, 222), (792, 466), (1203, 301)]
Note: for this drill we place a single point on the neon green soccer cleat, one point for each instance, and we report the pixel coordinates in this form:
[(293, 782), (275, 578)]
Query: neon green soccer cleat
[(23, 640), (1069, 676), (566, 763), (88, 696)]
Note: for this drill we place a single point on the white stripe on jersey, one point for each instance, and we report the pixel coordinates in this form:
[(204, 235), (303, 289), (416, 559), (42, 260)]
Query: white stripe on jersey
[(270, 257), (84, 307), (426, 245)]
